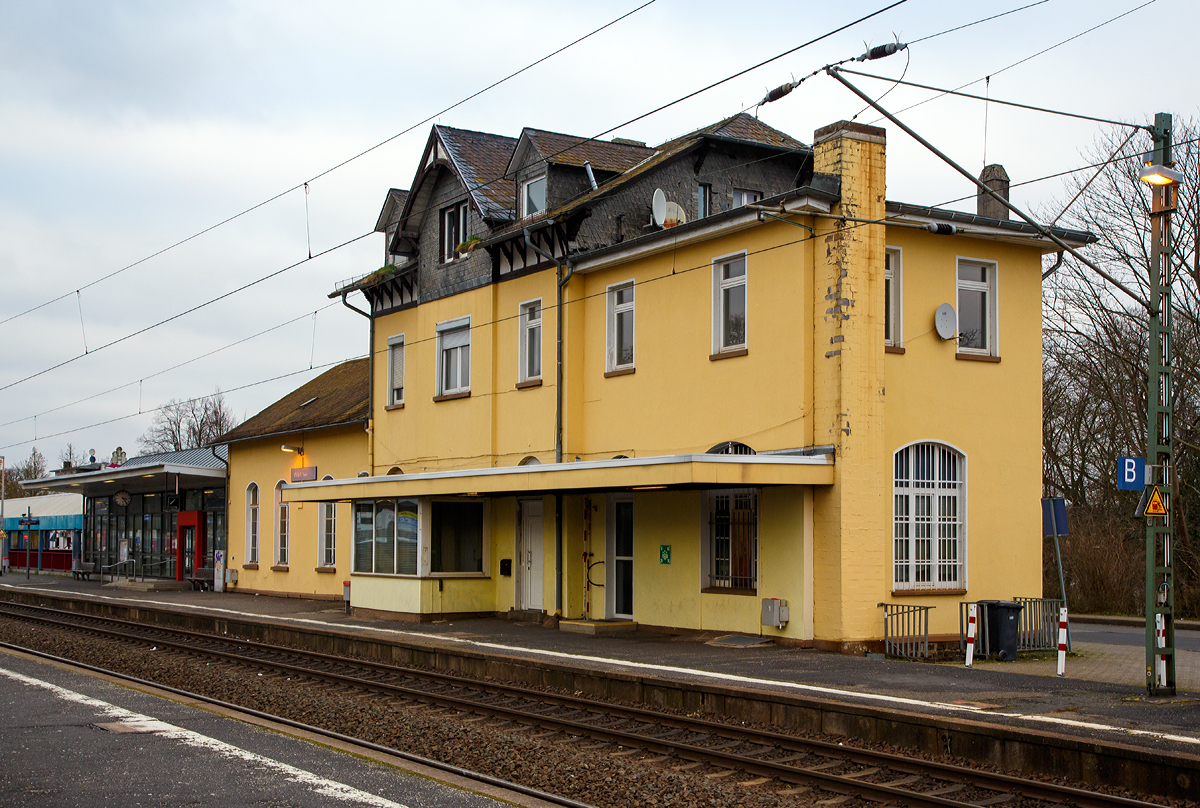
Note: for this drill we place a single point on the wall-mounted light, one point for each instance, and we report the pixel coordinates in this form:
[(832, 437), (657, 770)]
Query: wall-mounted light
[(296, 449)]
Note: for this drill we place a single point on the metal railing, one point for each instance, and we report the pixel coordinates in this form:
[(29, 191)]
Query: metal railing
[(1038, 626), (155, 565), (114, 567), (906, 631)]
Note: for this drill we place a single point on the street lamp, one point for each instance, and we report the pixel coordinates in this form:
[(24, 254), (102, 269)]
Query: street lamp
[(1160, 577)]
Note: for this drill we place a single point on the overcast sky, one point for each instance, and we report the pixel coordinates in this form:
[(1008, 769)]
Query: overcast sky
[(128, 126)]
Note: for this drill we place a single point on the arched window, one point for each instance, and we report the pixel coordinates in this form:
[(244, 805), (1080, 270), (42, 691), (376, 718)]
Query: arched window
[(281, 527), (530, 461), (252, 523), (394, 470), (929, 517), (327, 525), (731, 447)]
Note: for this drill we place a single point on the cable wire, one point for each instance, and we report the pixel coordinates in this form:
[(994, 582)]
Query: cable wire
[(1027, 58), (330, 170), (197, 307)]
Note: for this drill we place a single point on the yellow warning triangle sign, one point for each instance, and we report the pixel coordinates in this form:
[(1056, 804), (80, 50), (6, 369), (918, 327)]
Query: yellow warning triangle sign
[(1156, 506)]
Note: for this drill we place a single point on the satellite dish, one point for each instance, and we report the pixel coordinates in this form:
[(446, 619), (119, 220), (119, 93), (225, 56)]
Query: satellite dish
[(944, 321), (658, 207), (675, 215)]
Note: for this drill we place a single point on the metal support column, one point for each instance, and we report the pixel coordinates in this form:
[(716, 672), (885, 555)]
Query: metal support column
[(1160, 578)]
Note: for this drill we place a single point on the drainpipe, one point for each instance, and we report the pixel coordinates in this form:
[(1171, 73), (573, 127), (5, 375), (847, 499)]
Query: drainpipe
[(370, 383), (558, 411)]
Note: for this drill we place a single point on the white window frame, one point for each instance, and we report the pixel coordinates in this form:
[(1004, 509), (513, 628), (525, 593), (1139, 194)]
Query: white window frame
[(525, 211), (282, 526), (327, 532), (463, 385), (703, 200), (451, 238), (991, 310), (743, 196), (611, 360), (718, 311), (530, 329), (929, 518), (713, 577), (252, 522), (395, 344), (893, 279)]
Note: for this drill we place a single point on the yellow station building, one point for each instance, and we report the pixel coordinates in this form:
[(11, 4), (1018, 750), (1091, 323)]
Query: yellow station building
[(667, 385)]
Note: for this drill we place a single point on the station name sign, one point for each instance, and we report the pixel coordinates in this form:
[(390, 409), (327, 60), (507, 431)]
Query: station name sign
[(304, 474)]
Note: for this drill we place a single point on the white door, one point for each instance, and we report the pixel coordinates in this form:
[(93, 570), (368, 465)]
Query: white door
[(529, 585), (619, 557)]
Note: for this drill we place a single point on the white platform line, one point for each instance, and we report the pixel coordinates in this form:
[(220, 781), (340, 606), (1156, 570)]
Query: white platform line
[(883, 698), (318, 785)]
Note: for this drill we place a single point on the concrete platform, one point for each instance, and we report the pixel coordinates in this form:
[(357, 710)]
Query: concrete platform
[(1102, 696)]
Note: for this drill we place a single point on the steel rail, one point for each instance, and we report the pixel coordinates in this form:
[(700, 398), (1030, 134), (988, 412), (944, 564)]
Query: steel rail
[(515, 710)]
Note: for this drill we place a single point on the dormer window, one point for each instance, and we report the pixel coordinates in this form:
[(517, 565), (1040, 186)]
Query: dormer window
[(454, 230), (533, 196), (742, 197)]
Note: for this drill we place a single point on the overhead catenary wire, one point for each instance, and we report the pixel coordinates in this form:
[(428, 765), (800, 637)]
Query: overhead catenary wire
[(482, 184), (157, 373), (581, 299), (1027, 58), (195, 308), (336, 167)]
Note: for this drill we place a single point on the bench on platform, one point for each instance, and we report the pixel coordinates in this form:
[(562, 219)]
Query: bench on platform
[(83, 570), (203, 579)]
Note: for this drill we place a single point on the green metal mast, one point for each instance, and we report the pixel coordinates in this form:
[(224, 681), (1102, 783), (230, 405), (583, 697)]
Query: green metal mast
[(1160, 578)]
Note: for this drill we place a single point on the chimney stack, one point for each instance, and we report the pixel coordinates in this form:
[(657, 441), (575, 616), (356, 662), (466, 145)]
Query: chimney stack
[(996, 178)]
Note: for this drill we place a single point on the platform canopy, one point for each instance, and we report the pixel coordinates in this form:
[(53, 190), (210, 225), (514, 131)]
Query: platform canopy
[(192, 468), (634, 473)]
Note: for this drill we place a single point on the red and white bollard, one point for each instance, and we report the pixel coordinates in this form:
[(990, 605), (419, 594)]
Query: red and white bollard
[(1062, 641), (1160, 636), (971, 609)]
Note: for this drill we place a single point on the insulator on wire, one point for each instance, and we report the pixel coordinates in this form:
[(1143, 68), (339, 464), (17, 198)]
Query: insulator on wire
[(880, 51), (779, 92), (941, 228)]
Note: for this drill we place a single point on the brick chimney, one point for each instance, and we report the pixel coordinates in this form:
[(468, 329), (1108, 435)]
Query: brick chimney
[(996, 178)]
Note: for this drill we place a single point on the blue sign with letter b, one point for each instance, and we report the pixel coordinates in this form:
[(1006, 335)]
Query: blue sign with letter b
[(1131, 473)]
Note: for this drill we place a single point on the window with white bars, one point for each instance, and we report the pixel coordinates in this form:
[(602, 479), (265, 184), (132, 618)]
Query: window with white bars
[(929, 518), (733, 539), (893, 287), (620, 326), (396, 370), (454, 230), (454, 357)]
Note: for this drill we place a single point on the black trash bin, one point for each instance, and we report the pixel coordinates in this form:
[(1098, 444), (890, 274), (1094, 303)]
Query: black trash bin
[(1004, 621)]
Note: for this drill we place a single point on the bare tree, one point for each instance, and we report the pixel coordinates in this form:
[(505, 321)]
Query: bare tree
[(32, 468), (188, 424), (1094, 375), (69, 457)]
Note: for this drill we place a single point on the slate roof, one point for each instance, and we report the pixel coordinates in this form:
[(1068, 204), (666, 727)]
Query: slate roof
[(202, 457), (338, 396), (392, 205), (746, 127), (604, 155), (481, 159)]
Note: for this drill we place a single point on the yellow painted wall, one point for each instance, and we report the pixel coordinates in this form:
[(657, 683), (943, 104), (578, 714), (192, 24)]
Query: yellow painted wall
[(990, 412), (340, 452)]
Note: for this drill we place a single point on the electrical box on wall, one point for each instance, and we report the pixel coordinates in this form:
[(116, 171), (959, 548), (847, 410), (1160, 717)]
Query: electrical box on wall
[(775, 612), (506, 566)]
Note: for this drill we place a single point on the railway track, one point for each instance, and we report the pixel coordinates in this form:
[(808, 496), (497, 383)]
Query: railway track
[(832, 771)]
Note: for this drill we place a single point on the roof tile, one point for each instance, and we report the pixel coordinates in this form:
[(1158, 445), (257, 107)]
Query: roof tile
[(337, 396)]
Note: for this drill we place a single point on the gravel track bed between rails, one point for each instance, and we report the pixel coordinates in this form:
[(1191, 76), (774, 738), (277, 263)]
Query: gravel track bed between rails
[(554, 764), (576, 767)]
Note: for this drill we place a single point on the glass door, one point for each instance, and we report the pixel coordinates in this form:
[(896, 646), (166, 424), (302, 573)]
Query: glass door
[(189, 550), (620, 557)]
